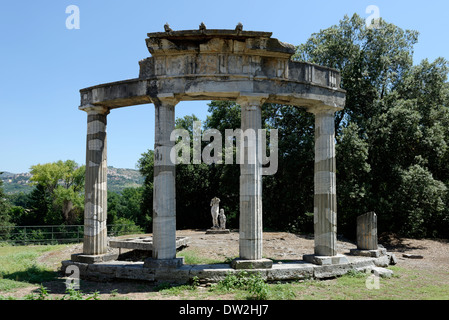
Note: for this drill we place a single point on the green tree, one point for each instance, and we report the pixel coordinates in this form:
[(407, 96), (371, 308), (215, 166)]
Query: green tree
[(393, 131), (146, 168), (4, 213), (62, 183)]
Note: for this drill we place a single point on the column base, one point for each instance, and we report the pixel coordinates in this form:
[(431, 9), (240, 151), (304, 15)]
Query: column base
[(325, 260), (369, 253), (218, 231), (251, 264), (90, 258), (152, 263)]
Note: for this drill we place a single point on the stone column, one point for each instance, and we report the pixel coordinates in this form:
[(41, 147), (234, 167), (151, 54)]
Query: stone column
[(325, 195), (250, 223), (164, 192), (95, 207), (367, 231)]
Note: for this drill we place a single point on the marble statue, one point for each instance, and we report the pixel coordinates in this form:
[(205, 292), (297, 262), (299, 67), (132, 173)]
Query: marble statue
[(222, 218), (215, 211)]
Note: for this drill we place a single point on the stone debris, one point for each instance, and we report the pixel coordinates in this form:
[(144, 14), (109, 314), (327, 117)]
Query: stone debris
[(412, 256)]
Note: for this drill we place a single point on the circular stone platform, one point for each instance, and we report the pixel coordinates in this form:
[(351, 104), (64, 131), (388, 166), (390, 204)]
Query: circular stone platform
[(209, 273)]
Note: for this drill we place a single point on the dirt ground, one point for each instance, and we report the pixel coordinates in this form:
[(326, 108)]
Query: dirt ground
[(289, 246), (276, 245)]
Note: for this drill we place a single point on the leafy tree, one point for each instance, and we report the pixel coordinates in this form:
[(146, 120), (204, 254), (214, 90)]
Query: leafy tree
[(393, 131), (62, 184), (371, 61), (146, 168), (4, 213)]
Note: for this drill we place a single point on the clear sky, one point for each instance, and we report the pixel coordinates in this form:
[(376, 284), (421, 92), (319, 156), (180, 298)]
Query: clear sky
[(43, 64)]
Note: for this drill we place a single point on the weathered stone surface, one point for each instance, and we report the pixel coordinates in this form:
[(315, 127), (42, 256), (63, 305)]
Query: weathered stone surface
[(331, 271), (326, 260), (163, 263), (290, 271), (393, 259), (382, 261), (250, 220), (381, 272), (325, 197), (251, 264), (134, 272), (297, 270), (95, 207), (367, 231), (143, 243), (413, 256), (85, 258), (224, 64), (210, 273), (368, 253), (164, 185)]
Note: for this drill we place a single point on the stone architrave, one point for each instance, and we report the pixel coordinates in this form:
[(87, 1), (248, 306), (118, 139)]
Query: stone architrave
[(95, 207), (367, 231)]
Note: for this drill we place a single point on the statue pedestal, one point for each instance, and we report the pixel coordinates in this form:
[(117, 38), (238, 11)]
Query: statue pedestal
[(217, 231)]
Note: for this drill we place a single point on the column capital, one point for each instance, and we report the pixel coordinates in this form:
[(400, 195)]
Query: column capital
[(322, 109), (93, 109), (165, 99), (252, 99)]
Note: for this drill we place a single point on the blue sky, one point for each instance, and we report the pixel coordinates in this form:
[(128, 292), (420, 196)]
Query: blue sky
[(43, 65)]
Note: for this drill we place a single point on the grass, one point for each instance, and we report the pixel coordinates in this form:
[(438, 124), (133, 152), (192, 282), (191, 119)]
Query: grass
[(18, 266)]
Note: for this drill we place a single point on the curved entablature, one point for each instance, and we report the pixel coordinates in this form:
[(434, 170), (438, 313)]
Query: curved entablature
[(222, 65)]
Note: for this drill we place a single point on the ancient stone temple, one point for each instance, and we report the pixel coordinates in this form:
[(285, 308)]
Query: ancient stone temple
[(249, 67)]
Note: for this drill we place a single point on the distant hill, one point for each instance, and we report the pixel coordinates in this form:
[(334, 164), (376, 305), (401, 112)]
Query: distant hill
[(118, 179)]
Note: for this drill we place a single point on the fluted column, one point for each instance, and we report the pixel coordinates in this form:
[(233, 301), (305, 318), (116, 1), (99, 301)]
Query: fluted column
[(164, 192), (250, 223), (95, 207), (325, 197)]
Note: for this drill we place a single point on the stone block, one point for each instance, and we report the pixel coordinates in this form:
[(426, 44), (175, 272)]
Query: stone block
[(211, 273), (180, 275), (251, 264), (368, 253), (163, 263), (136, 272), (331, 271), (326, 260), (290, 271), (85, 258), (382, 272), (383, 261), (393, 259)]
